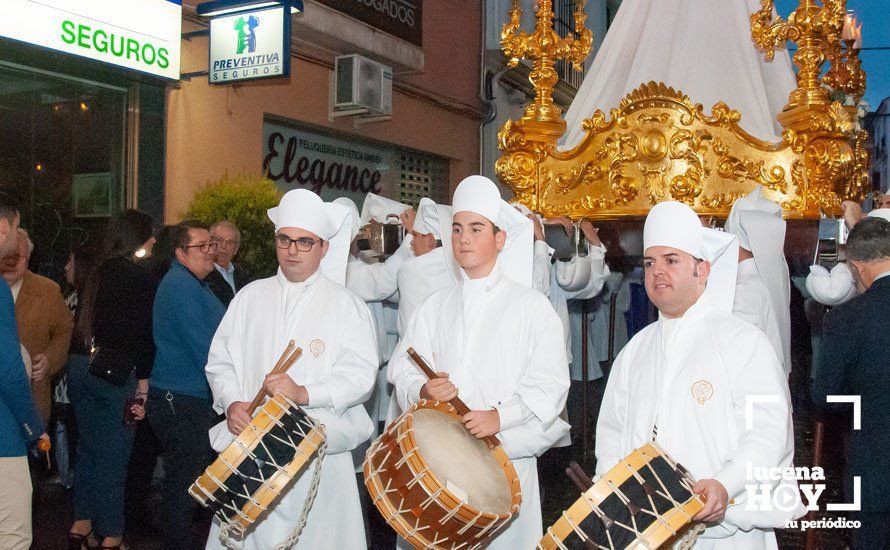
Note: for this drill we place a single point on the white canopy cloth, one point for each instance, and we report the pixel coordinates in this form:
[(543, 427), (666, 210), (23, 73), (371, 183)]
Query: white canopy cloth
[(700, 47)]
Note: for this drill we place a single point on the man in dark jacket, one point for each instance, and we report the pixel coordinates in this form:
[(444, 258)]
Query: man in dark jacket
[(20, 425), (186, 314), (855, 362), (226, 278)]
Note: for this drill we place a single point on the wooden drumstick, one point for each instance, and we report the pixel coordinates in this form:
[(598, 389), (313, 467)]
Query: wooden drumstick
[(458, 405), (284, 356), (579, 477), (284, 363)]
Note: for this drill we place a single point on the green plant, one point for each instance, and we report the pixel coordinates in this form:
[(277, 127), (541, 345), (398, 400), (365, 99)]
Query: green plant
[(242, 199)]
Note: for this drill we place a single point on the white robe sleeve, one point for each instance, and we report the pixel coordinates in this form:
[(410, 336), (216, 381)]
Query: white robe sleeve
[(758, 383), (612, 416), (583, 278), (354, 371), (402, 373), (541, 268), (220, 368), (752, 304), (377, 282), (544, 386), (530, 422)]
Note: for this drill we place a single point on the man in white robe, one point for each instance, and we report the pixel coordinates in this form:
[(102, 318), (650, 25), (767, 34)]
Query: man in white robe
[(496, 341), (688, 379), (307, 303), (579, 278), (428, 271), (763, 286), (377, 284)]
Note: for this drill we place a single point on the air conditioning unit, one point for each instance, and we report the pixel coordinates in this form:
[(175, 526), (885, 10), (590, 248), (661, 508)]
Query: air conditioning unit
[(362, 86)]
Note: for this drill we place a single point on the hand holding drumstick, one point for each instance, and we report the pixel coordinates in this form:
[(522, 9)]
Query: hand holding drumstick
[(482, 424), (240, 413)]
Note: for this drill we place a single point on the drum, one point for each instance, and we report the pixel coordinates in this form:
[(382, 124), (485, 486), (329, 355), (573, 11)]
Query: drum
[(257, 467), (438, 485), (642, 502)]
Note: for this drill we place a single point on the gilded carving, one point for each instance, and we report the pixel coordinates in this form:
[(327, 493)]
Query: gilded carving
[(657, 144)]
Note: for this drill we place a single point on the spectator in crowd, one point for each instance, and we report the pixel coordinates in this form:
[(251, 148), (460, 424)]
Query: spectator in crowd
[(20, 424), (161, 255), (139, 511), (854, 361), (43, 320), (116, 317), (180, 408), (226, 278), (76, 270)]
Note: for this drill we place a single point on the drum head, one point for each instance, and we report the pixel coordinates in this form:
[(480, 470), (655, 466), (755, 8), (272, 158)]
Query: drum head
[(461, 461)]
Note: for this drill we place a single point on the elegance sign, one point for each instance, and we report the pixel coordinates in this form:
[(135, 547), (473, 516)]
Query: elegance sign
[(250, 45), (142, 35), (324, 164)]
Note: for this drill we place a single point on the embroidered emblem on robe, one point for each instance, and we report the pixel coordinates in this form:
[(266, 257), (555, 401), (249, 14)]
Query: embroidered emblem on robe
[(702, 391)]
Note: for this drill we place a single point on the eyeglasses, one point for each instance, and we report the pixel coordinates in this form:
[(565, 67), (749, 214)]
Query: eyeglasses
[(203, 247), (226, 243), (304, 244)]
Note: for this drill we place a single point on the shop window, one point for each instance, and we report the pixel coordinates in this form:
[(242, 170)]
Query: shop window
[(62, 156)]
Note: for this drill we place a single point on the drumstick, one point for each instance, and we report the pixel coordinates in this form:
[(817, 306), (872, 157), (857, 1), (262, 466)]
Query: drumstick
[(284, 363), (456, 402), (579, 476), (287, 351)]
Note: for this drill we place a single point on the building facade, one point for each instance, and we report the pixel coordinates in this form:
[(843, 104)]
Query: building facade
[(506, 91), (427, 144), (878, 125), (104, 107)]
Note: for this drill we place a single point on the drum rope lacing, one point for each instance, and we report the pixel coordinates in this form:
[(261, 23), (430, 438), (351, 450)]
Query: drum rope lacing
[(229, 542), (303, 427)]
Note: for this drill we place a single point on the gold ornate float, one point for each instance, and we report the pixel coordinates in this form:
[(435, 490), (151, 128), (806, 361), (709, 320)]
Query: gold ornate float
[(657, 144)]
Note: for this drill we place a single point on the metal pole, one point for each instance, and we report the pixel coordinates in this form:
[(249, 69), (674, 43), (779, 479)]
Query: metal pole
[(613, 299), (584, 373), (818, 442)]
